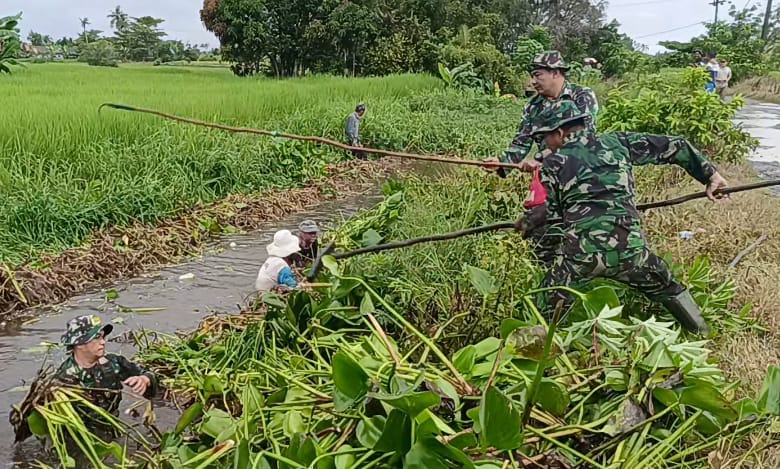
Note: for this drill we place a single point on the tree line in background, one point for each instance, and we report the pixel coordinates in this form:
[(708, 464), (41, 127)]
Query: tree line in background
[(134, 40), (486, 41), (484, 44)]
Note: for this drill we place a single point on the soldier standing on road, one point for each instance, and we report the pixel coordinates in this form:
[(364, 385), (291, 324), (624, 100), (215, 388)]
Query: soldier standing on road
[(548, 72), (590, 186), (352, 130)]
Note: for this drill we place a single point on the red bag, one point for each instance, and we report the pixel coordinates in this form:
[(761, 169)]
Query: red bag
[(537, 195)]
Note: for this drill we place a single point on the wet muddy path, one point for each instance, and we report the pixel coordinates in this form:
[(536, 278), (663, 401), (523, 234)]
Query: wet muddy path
[(220, 282)]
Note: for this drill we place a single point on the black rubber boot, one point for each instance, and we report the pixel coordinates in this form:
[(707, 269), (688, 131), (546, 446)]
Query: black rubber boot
[(686, 312)]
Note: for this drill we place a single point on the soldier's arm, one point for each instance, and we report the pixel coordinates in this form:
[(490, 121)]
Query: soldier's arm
[(586, 101), (661, 149), (129, 369), (521, 144)]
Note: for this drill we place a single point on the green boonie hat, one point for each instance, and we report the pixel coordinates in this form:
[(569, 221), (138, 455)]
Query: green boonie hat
[(83, 329), (551, 59), (558, 114)]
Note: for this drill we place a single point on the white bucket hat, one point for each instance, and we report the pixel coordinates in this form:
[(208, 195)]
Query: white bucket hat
[(285, 243)]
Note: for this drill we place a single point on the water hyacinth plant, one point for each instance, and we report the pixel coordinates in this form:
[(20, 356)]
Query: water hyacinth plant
[(318, 382)]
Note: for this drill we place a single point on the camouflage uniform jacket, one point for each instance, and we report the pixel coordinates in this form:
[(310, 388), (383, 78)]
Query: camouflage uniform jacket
[(108, 376), (590, 186), (582, 96)]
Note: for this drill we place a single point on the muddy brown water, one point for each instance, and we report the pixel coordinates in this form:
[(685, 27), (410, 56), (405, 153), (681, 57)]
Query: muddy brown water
[(221, 281)]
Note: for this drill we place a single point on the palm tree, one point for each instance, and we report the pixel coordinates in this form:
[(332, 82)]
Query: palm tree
[(84, 23), (118, 18)]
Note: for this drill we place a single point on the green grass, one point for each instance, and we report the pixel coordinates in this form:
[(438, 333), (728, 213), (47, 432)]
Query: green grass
[(66, 170)]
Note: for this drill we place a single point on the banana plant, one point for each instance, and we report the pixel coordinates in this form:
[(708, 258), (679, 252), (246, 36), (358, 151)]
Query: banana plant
[(9, 42), (462, 76)]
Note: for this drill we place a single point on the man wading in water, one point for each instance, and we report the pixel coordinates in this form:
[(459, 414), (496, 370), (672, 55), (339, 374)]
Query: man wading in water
[(589, 185), (308, 232), (102, 375), (548, 72)]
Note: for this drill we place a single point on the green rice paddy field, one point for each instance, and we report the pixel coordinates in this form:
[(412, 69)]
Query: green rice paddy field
[(66, 170)]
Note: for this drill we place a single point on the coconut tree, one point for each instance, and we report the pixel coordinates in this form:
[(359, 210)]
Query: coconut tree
[(84, 23), (118, 18)]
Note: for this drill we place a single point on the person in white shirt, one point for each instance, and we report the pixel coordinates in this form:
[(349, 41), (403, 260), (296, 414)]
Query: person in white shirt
[(722, 78), (276, 269)]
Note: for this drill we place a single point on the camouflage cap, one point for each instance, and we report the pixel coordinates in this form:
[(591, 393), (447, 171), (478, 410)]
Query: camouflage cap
[(551, 59), (555, 116), (83, 329)]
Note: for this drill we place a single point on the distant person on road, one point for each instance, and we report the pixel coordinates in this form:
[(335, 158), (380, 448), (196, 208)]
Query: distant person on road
[(548, 72), (102, 375), (308, 234), (722, 78), (712, 67), (275, 271), (698, 59), (352, 130)]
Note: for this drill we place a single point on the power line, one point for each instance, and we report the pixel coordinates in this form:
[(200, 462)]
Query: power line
[(670, 30)]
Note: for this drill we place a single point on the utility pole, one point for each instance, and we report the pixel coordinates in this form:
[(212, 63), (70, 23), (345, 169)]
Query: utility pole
[(767, 15), (717, 3)]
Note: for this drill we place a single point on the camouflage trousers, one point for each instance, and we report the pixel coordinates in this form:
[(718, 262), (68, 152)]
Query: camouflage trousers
[(639, 269)]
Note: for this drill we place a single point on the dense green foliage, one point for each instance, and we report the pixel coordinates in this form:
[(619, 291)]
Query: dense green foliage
[(99, 53), (135, 39), (9, 42), (374, 36), (675, 103), (739, 41)]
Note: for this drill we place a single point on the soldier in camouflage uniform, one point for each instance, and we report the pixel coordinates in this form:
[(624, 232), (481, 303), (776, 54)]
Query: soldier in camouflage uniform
[(548, 74), (101, 374), (590, 186)]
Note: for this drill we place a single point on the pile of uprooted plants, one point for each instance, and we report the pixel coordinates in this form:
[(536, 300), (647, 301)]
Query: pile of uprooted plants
[(339, 378)]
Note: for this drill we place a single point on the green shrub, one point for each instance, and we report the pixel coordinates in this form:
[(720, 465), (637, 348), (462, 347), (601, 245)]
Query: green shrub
[(675, 103), (100, 54)]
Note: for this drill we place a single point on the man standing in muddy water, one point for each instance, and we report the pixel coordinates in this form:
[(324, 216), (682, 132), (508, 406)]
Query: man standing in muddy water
[(548, 72), (102, 375)]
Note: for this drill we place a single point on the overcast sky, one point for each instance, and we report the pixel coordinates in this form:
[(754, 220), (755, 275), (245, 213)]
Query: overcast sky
[(643, 20)]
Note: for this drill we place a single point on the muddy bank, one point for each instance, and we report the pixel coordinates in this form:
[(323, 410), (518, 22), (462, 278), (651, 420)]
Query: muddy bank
[(118, 253)]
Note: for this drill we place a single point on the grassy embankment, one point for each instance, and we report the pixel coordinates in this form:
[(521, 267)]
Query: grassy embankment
[(72, 177), (762, 88)]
